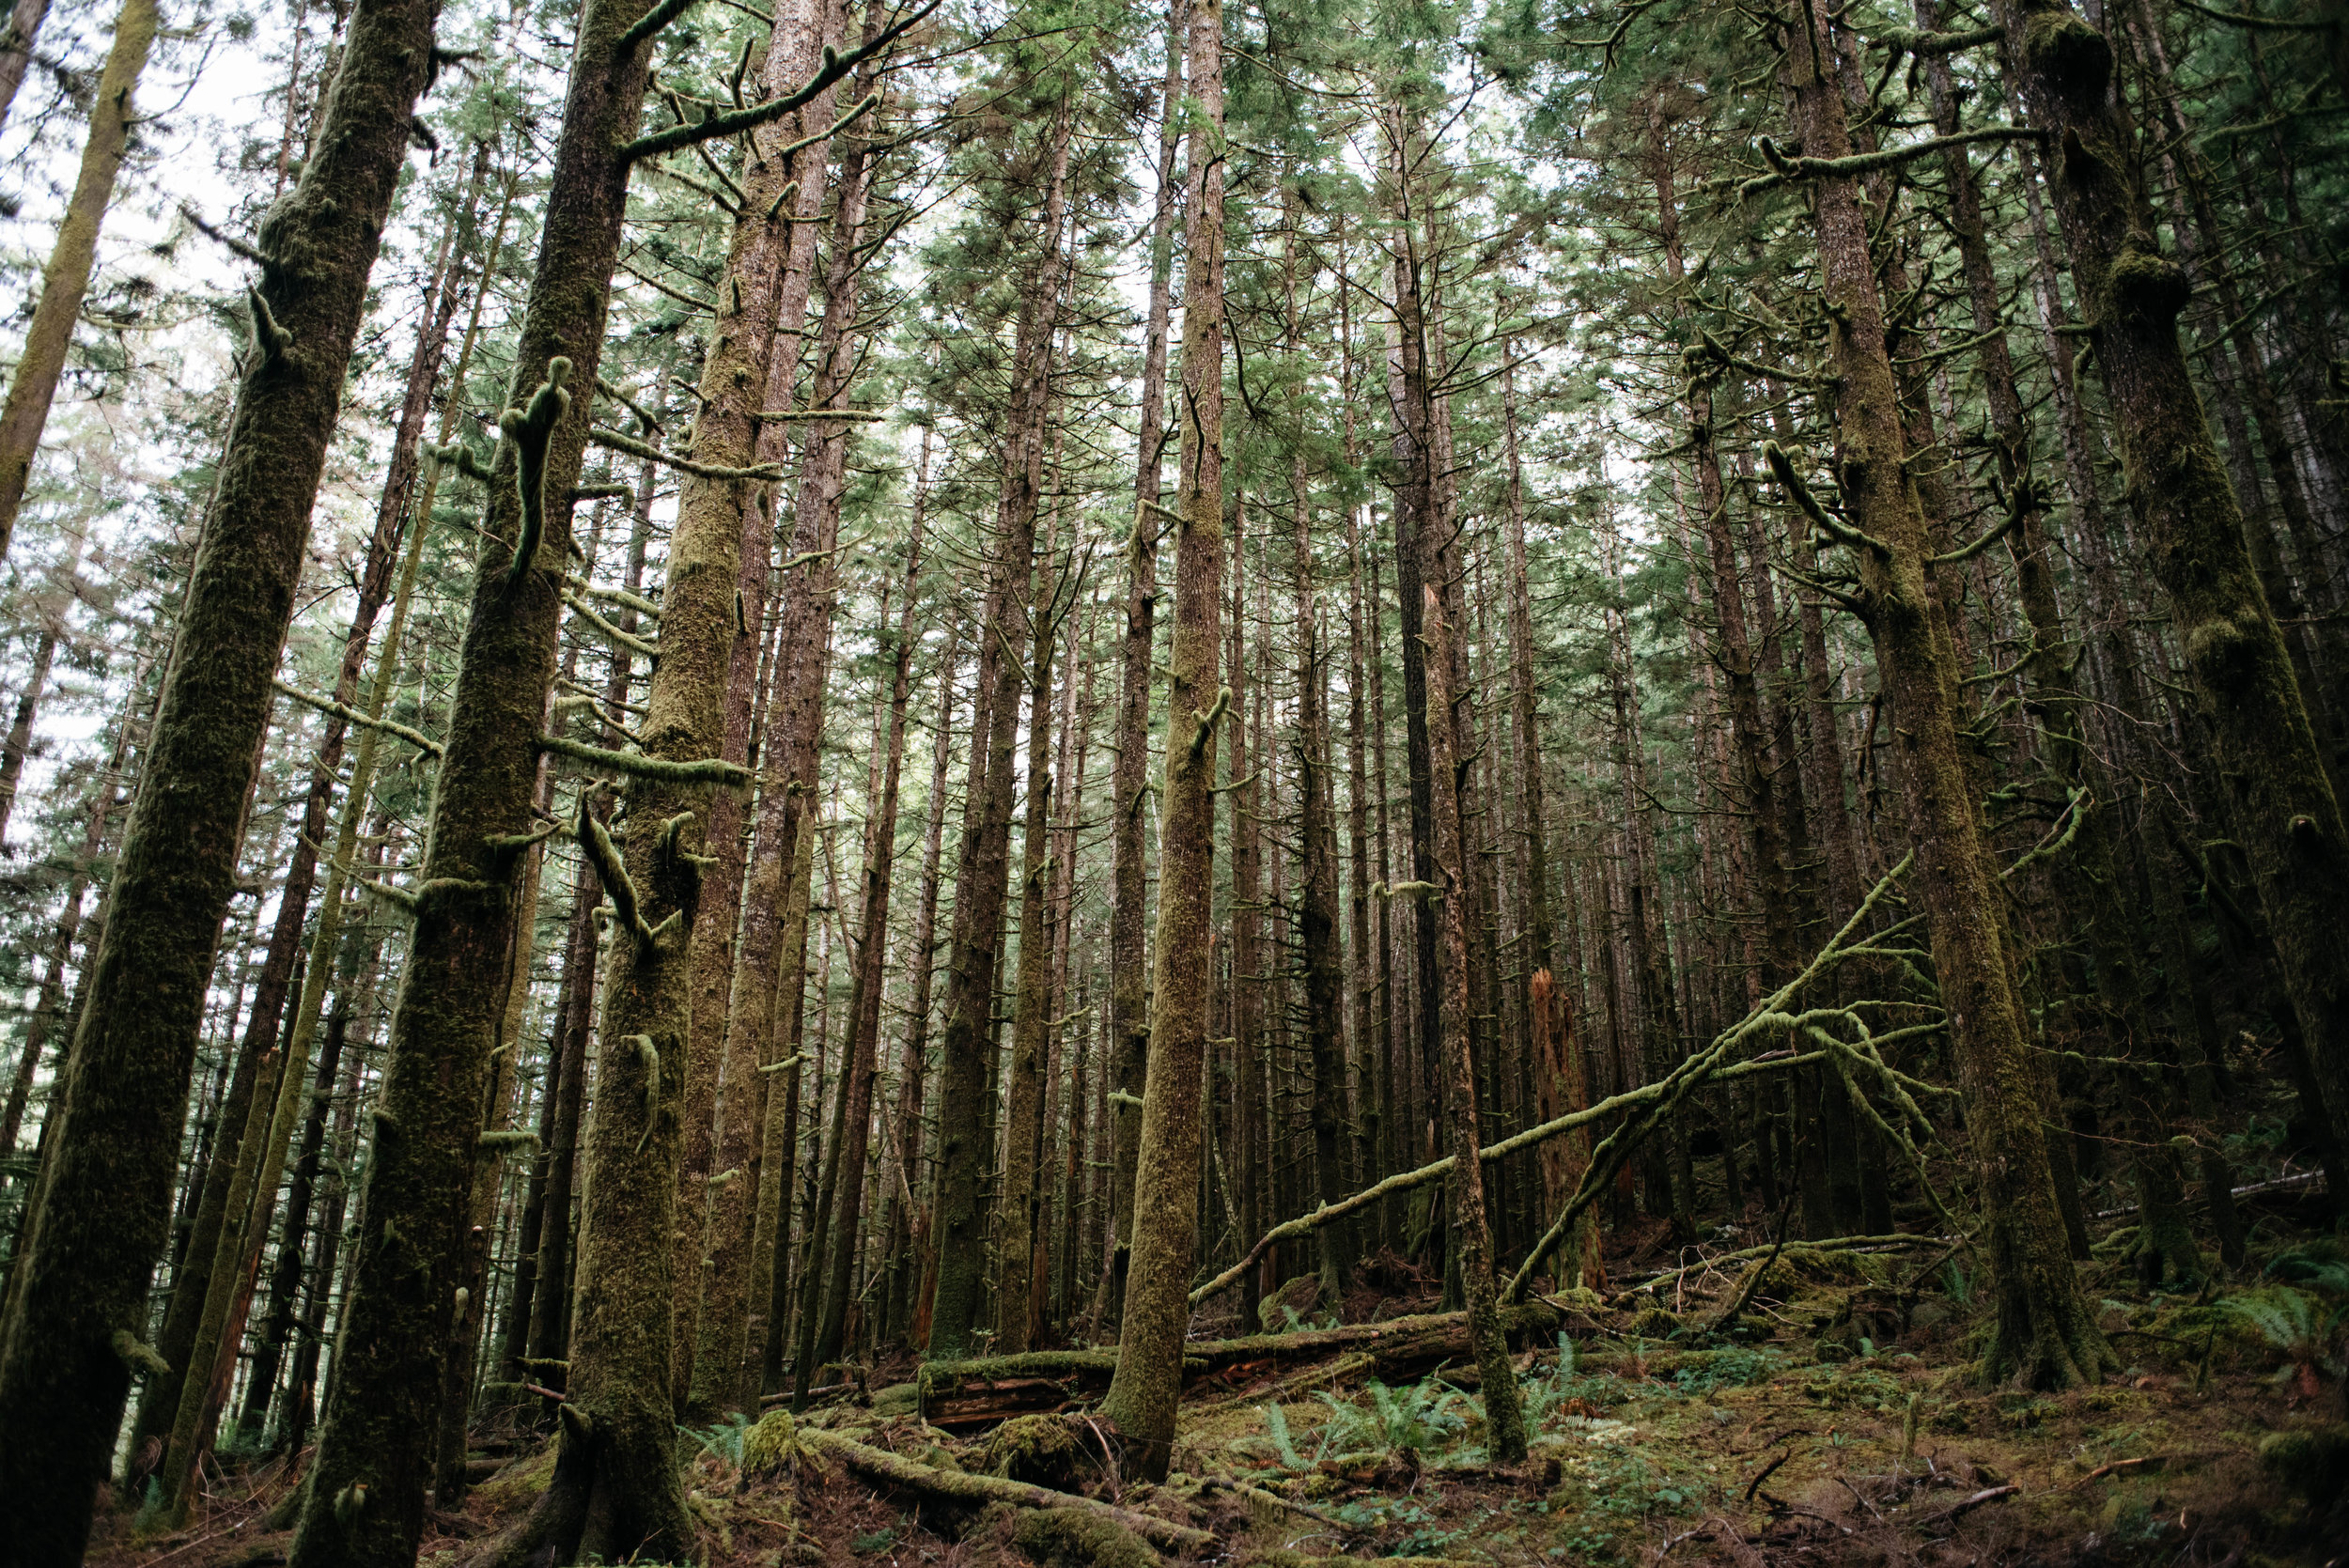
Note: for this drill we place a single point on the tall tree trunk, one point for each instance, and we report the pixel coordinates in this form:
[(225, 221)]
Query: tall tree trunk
[(105, 1199), (2046, 1335), (1505, 1419), (765, 293), (379, 1416), (191, 1288), (1149, 1377), (908, 1228), (728, 1355), (16, 49), (65, 279), (20, 737), (1129, 980), (863, 1043), (983, 875)]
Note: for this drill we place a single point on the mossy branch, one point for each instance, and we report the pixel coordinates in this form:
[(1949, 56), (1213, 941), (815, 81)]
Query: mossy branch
[(650, 23), (628, 640), (620, 597), (870, 416), (706, 773), (530, 430), (463, 458), (1207, 722), (614, 492), (138, 1355), (2027, 498), (1923, 44), (267, 336), (1412, 890), (648, 1058), (1786, 170), (1783, 468), (835, 66), (497, 1140), (629, 444), (596, 841), (352, 715)]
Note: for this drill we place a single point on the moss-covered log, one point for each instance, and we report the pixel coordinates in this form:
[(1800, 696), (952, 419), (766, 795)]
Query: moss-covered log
[(979, 1490)]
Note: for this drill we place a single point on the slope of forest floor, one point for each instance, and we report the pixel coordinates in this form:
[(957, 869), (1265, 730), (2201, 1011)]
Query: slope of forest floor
[(1835, 1420)]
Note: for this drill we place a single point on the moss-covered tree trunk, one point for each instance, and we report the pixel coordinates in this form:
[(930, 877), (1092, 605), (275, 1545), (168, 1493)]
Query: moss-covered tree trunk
[(368, 1488), (744, 1241), (105, 1198), (1148, 1383), (714, 1239), (2286, 815), (65, 278), (2044, 1334), (838, 353)]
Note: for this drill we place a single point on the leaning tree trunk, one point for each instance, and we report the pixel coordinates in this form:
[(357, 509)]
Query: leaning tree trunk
[(2045, 1335), (105, 1197), (65, 279), (1149, 1379), (2286, 815)]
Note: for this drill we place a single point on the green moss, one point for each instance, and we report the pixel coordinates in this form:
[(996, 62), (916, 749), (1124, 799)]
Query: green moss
[(1043, 1450), (519, 1482), (1068, 1538), (2312, 1462)]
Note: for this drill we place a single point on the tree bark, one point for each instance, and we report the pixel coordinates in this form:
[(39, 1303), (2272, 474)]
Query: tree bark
[(982, 882), (2286, 815), (1148, 1383)]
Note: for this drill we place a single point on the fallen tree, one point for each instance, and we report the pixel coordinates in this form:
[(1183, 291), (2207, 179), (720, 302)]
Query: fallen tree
[(973, 1393), (977, 1491), (1644, 1108)]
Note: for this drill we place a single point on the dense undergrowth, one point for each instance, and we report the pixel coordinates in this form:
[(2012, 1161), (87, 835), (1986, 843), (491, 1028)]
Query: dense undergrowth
[(1836, 1419)]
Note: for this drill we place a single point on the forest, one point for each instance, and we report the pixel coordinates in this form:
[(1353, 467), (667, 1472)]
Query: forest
[(1042, 782)]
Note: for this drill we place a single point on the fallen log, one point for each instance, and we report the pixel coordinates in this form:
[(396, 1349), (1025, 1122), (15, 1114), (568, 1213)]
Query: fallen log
[(979, 1490), (966, 1394)]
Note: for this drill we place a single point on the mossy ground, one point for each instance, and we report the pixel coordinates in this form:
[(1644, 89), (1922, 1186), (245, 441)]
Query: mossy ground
[(1838, 1423)]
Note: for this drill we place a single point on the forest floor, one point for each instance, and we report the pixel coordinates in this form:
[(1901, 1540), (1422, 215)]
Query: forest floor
[(1837, 1421)]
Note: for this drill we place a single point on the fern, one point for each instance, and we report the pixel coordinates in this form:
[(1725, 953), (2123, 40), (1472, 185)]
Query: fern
[(1277, 1422), (722, 1439)]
